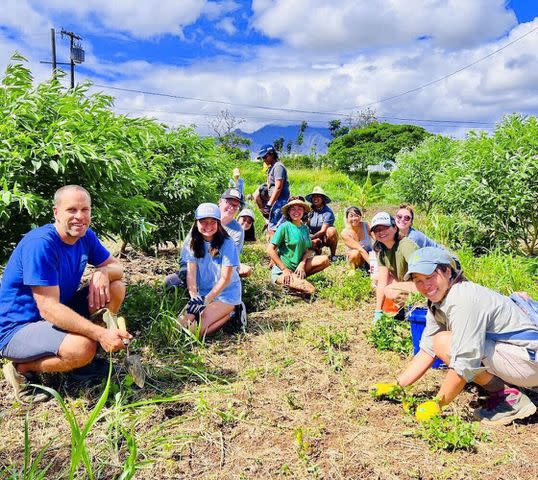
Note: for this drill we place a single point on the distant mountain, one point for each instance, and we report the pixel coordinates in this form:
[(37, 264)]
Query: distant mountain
[(269, 133)]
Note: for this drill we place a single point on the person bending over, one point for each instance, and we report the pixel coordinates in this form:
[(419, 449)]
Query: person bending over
[(392, 257), (321, 223), (212, 280), (289, 250), (44, 316), (484, 338)]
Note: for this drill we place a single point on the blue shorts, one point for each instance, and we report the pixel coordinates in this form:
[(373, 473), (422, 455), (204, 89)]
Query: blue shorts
[(43, 339), (275, 215)]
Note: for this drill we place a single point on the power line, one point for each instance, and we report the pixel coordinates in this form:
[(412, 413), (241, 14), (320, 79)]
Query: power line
[(448, 75)]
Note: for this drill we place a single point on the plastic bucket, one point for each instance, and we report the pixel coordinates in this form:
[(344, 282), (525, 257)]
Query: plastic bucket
[(417, 320)]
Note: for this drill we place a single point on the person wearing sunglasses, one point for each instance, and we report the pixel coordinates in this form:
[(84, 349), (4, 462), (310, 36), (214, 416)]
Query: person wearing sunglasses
[(404, 220), (393, 254), (290, 250)]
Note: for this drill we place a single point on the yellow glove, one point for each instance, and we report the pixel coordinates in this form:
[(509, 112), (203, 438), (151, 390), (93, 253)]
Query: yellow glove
[(427, 410), (382, 389)]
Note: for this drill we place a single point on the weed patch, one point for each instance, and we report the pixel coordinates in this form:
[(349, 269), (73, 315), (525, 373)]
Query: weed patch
[(390, 334)]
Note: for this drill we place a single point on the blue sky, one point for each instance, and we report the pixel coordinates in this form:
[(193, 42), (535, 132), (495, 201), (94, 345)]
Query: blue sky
[(296, 57)]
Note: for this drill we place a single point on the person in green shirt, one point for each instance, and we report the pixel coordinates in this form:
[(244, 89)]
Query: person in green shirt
[(289, 250), (392, 256)]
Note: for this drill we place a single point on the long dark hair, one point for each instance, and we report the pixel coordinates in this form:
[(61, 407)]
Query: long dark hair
[(250, 234), (378, 246), (197, 241)]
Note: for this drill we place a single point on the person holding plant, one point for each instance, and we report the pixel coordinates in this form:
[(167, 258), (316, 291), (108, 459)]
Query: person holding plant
[(213, 282), (45, 321), (246, 220), (321, 223), (393, 254), (484, 337), (356, 237), (289, 250)]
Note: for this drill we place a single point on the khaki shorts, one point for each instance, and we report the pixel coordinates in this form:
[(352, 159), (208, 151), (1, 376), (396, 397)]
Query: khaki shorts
[(513, 364)]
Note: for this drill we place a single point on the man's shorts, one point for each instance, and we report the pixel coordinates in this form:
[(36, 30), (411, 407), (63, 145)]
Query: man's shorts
[(275, 216), (514, 364), (42, 338)]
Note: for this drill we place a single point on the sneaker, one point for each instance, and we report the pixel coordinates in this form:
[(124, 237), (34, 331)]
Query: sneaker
[(333, 258), (238, 320), (505, 406), (20, 384)]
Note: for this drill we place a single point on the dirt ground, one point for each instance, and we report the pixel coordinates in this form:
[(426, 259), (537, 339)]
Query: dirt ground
[(284, 411)]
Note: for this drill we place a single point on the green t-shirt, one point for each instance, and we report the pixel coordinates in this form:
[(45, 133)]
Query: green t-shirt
[(292, 242), (395, 259)]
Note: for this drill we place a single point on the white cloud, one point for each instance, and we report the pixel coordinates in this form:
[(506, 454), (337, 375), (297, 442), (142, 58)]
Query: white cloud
[(322, 25), (227, 25)]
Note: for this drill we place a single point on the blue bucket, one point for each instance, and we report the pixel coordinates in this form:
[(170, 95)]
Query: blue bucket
[(417, 319)]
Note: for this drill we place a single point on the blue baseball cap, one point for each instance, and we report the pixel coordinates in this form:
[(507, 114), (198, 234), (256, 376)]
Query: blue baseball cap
[(207, 210), (265, 149), (425, 261)]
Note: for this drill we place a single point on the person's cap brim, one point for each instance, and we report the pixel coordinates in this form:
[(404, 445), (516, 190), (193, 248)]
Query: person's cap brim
[(424, 268)]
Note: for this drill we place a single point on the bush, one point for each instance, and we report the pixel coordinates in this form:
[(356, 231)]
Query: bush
[(141, 177), (390, 334)]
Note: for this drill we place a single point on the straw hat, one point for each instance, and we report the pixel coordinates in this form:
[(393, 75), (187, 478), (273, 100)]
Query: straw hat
[(295, 201), (318, 191)]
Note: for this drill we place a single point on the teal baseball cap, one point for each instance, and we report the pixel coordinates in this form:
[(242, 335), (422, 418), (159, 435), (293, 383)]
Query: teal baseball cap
[(425, 261)]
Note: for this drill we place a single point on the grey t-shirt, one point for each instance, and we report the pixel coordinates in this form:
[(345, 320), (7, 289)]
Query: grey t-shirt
[(471, 312), (278, 172)]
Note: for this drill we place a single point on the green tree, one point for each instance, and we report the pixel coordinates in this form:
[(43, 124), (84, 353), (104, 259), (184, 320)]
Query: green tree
[(336, 128), (279, 144), (413, 177), (373, 144), (300, 136)]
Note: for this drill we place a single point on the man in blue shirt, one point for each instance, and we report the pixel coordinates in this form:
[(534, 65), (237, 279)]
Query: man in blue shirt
[(321, 223), (44, 317), (279, 188)]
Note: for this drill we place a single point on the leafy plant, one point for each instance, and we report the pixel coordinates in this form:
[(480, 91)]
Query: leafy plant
[(344, 290), (390, 334), (451, 433)]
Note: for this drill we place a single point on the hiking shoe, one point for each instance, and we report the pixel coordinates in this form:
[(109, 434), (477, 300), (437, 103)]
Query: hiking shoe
[(238, 320), (97, 369), (20, 384), (505, 406)]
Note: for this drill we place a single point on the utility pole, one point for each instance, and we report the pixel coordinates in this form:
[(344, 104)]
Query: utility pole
[(72, 48), (53, 47)]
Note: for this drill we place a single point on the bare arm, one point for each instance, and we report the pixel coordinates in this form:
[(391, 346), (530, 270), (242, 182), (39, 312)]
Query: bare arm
[(50, 308), (451, 387), (416, 369), (350, 242), (382, 281), (99, 286), (224, 280), (192, 287), (321, 232)]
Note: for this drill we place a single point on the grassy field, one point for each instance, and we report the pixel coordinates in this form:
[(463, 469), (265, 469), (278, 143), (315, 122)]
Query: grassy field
[(288, 399)]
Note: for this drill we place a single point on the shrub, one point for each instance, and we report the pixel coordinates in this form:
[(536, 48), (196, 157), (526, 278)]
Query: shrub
[(451, 433), (390, 334)]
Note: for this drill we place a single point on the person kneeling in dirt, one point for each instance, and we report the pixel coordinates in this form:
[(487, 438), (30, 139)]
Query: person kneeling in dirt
[(213, 283), (290, 250), (44, 319), (484, 337), (321, 223)]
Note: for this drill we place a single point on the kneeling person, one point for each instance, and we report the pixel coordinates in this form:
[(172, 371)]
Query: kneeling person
[(321, 223), (44, 319)]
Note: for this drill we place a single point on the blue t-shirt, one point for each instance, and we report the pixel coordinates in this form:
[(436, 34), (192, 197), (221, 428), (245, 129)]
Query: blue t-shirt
[(318, 218), (240, 185), (209, 268), (236, 233), (278, 172), (42, 259), (422, 240)]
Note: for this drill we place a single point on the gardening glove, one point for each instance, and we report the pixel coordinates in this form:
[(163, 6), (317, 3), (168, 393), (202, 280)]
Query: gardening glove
[(377, 315), (427, 410), (196, 305), (382, 389)]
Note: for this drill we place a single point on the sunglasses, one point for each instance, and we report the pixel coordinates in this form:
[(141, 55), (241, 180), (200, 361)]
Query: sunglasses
[(405, 218)]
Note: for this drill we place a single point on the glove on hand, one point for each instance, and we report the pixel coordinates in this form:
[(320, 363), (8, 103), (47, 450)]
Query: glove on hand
[(427, 410), (196, 305)]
